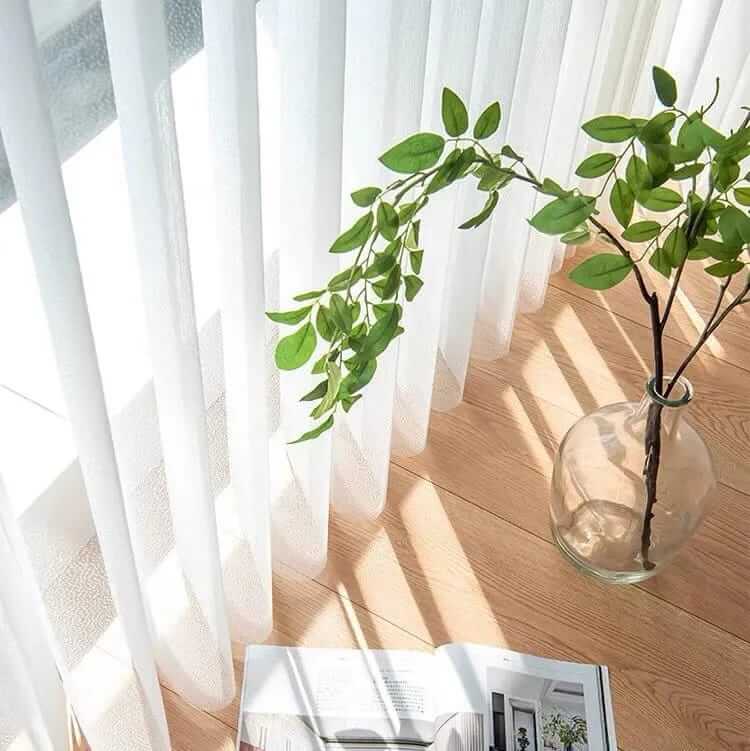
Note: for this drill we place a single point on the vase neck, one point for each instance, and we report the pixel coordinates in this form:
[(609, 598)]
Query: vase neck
[(673, 401)]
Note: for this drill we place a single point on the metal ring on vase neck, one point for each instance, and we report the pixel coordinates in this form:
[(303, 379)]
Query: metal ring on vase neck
[(686, 397)]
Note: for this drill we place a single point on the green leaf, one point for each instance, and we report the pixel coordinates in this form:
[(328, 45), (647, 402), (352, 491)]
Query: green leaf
[(382, 264), (365, 196), (341, 313), (642, 232), (312, 295), (355, 236), (551, 188), (393, 247), (466, 162), (596, 165), (412, 236), (675, 247), (734, 227), (412, 284), (318, 392), (386, 308), (360, 376), (660, 262), (320, 363), (742, 196), (697, 253), (331, 395), (415, 260), (659, 164), (736, 144), (324, 323), (388, 287), (488, 122), (610, 128), (295, 350), (447, 173), (345, 278), (689, 140), (508, 151), (327, 424), (711, 248), (579, 236), (622, 201), (563, 214), (494, 177), (725, 268), (379, 336), (290, 317), (455, 116), (602, 271), (387, 220), (347, 402), (657, 128), (666, 88), (725, 172), (482, 216), (418, 152), (638, 174), (688, 171), (659, 199), (707, 134)]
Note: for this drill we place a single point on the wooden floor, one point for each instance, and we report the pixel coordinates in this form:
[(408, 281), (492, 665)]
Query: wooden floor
[(463, 550)]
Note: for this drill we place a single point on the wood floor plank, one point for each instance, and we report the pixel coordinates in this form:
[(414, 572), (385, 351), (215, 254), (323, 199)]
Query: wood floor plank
[(448, 571), (692, 308), (580, 357), (498, 454)]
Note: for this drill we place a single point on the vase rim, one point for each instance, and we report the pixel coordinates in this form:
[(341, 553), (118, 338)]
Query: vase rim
[(681, 401)]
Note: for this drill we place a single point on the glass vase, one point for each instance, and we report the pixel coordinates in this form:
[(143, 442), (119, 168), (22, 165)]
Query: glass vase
[(630, 485)]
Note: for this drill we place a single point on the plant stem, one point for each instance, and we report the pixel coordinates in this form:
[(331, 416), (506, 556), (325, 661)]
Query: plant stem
[(638, 275), (711, 325), (692, 230), (652, 438)]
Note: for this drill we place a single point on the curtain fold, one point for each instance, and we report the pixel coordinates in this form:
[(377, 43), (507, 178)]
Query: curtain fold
[(229, 29), (181, 494), (35, 709)]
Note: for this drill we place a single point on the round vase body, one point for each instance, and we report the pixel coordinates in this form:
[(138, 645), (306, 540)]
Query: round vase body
[(599, 501)]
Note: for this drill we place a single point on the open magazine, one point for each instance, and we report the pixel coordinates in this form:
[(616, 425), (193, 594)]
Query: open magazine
[(462, 697)]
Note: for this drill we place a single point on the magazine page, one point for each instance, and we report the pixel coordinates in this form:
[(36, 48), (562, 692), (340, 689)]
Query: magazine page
[(300, 699), (495, 699)]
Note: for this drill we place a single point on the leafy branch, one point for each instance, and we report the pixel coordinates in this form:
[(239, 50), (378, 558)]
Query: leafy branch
[(352, 321)]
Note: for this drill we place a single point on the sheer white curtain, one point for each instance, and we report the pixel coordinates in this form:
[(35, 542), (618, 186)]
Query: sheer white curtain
[(169, 487)]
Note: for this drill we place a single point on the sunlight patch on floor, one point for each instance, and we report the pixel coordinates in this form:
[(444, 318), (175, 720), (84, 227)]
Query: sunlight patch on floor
[(549, 380), (380, 548), (539, 450), (429, 529), (587, 358)]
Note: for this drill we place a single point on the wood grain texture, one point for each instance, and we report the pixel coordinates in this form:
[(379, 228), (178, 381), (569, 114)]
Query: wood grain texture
[(463, 550)]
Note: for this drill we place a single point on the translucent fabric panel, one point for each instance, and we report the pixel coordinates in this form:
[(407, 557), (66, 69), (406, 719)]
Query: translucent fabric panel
[(229, 30), (725, 56), (195, 615), (311, 43), (451, 48), (528, 128), (494, 77), (567, 113), (386, 47), (27, 131), (33, 711)]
